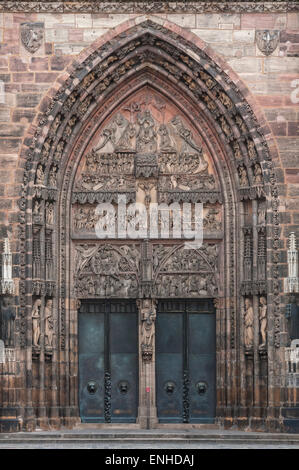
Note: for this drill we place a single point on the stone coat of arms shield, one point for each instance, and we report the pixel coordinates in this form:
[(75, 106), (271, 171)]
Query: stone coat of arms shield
[(32, 36)]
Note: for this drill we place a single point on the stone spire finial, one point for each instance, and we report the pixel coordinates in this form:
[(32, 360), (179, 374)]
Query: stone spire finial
[(291, 284), (7, 283)]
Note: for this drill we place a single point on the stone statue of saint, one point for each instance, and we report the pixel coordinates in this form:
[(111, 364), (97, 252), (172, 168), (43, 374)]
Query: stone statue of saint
[(49, 326), (148, 316), (263, 320), (248, 323), (36, 322), (7, 317)]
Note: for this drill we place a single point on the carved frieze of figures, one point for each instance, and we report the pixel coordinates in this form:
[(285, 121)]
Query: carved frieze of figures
[(85, 218), (248, 324), (187, 273), (49, 323), (211, 221), (263, 321), (106, 270), (36, 322), (147, 309), (7, 318), (186, 285)]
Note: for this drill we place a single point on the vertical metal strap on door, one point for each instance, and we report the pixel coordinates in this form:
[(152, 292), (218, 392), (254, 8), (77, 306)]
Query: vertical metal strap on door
[(186, 398), (107, 379), (107, 399)]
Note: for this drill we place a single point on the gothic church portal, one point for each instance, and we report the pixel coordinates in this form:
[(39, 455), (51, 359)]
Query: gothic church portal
[(145, 330)]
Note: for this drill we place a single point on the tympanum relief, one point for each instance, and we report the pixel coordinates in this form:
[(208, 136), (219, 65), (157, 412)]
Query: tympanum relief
[(147, 153)]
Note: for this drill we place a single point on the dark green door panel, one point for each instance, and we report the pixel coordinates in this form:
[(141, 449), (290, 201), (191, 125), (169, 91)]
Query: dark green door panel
[(124, 366), (169, 366), (202, 360), (108, 361), (185, 361), (91, 366)]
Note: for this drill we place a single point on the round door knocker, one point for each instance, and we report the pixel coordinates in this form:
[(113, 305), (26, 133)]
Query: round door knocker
[(169, 387), (92, 387), (123, 387), (201, 387)]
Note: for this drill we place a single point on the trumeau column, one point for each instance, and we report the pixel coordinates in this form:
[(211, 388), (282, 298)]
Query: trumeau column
[(147, 414)]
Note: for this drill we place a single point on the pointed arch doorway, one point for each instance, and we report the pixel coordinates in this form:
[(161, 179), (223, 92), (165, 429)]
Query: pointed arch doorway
[(146, 119)]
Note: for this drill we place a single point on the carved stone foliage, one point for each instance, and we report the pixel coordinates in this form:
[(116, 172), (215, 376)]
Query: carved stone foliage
[(119, 6), (180, 272), (106, 271)]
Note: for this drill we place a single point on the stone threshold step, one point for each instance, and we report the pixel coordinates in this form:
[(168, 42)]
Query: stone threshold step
[(240, 439), (142, 441), (149, 435)]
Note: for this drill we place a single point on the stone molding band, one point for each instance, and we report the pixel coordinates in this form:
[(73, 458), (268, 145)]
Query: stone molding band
[(149, 7)]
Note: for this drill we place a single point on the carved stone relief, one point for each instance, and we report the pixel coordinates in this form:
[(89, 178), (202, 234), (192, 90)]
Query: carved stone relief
[(185, 273), (106, 271), (32, 36), (267, 41)]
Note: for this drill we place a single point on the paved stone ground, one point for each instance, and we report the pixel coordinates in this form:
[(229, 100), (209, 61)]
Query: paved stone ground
[(142, 439), (144, 445)]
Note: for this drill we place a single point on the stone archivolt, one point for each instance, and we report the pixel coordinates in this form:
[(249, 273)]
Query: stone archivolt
[(239, 171)]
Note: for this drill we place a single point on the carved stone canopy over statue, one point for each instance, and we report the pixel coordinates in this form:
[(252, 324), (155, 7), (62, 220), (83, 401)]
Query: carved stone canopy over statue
[(7, 318)]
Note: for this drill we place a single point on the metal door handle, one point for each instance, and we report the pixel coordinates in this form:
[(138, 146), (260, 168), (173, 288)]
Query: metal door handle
[(92, 387), (169, 388), (123, 387), (201, 388)]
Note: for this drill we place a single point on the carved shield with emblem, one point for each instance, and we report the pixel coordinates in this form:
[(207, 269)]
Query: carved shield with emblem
[(267, 41), (32, 36)]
